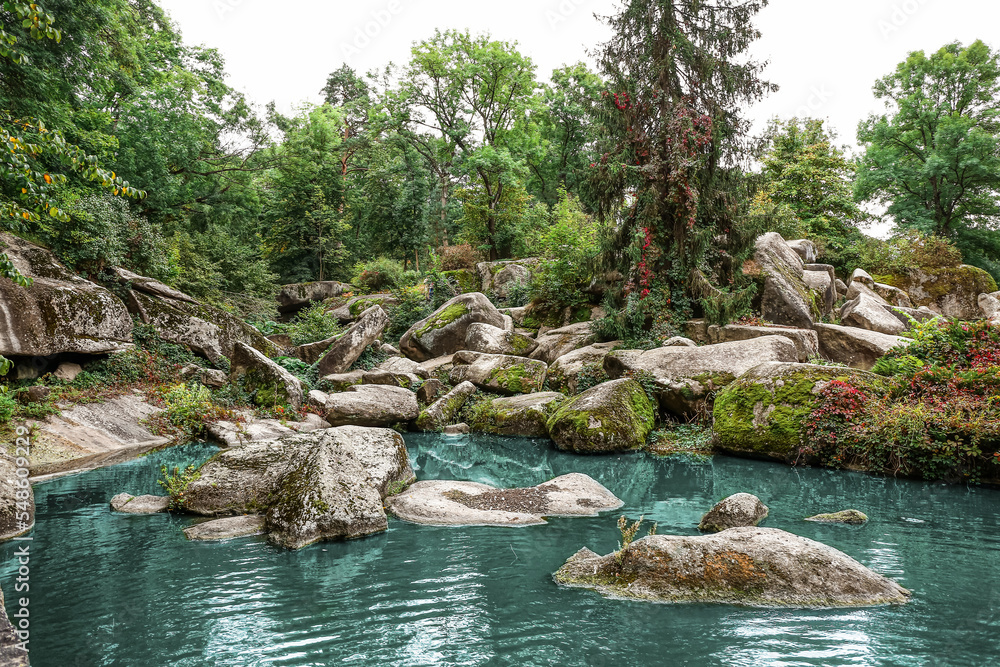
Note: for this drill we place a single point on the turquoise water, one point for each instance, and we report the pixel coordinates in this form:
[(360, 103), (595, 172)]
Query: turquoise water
[(130, 591)]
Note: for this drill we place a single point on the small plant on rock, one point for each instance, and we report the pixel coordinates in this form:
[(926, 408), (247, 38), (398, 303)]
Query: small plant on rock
[(176, 483)]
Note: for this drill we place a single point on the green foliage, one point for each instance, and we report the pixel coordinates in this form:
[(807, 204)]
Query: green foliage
[(310, 325), (188, 408), (380, 275), (176, 484), (300, 369), (568, 246), (413, 306), (682, 439), (8, 407), (369, 359)]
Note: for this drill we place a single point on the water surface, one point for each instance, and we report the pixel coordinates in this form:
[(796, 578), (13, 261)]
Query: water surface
[(131, 591)]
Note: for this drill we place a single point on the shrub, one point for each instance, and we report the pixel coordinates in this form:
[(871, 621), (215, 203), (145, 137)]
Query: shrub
[(309, 325), (380, 275), (8, 406), (188, 408), (413, 306), (176, 484), (456, 257), (300, 369)]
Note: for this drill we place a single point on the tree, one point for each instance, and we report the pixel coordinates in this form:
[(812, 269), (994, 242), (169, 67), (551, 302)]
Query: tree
[(934, 159), (668, 181)]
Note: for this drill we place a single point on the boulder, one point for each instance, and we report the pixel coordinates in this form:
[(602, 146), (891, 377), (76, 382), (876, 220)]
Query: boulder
[(907, 316), (611, 417), (13, 646), (129, 504), (403, 365), (989, 305), (226, 529), (67, 371), (299, 295), (430, 391), (761, 414), (310, 353), (858, 288), (316, 398), (893, 295), (761, 567), (740, 510), (387, 349), (564, 374), (206, 376), (17, 499), (390, 379), (687, 378), (60, 313), (334, 488), (857, 348), (863, 277), (346, 349), (517, 416), (235, 434), (353, 309), (866, 313), (34, 394), (438, 365), (489, 339), (805, 249), (952, 292), (786, 299), (269, 383), (244, 479), (457, 429), (823, 285), (444, 332), (372, 405), (448, 503), (498, 277), (445, 409), (851, 517), (560, 342), (679, 341), (841, 288), (338, 382), (806, 341), (498, 372)]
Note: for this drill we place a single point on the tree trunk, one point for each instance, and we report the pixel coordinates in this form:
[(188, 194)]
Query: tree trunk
[(443, 231)]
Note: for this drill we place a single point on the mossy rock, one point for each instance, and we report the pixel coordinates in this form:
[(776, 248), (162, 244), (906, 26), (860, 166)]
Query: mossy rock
[(611, 417), (951, 291), (517, 416), (763, 413), (466, 280)]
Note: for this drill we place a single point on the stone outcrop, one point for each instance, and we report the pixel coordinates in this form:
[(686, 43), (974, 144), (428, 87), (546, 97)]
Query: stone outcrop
[(227, 528), (325, 485), (564, 373), (953, 292), (17, 499), (761, 414), (445, 409), (864, 312), (299, 295), (60, 312), (499, 373), (269, 383), (761, 567), (857, 348), (556, 343), (740, 510), (611, 417), (489, 339), (517, 416), (786, 299), (372, 405), (806, 341), (444, 332), (349, 346), (129, 504), (448, 503)]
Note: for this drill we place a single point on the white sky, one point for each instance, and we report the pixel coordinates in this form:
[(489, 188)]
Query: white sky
[(825, 54)]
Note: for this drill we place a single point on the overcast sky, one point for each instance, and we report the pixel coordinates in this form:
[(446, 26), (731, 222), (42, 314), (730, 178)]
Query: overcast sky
[(825, 54)]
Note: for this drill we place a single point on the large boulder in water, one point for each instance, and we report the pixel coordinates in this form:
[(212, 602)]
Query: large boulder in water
[(349, 346), (611, 417), (447, 503), (270, 383), (761, 567), (60, 313), (299, 295), (444, 332), (786, 299), (740, 510), (324, 485), (761, 414)]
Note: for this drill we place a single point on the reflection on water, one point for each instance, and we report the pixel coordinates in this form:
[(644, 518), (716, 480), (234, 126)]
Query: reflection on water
[(130, 591)]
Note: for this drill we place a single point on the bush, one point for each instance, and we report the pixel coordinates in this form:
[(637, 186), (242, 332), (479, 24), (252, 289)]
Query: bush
[(188, 408), (176, 484), (413, 306), (455, 257), (568, 247), (310, 325), (380, 275), (8, 407)]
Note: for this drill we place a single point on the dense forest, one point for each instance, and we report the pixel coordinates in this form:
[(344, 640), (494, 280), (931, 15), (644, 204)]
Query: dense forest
[(128, 148)]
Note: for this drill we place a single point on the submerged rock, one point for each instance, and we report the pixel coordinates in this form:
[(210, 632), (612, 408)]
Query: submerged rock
[(611, 417), (444, 332), (130, 504), (852, 517), (226, 529), (448, 503), (762, 567), (740, 510)]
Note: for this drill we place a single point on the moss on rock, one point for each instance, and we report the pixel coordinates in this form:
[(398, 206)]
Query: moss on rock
[(614, 416)]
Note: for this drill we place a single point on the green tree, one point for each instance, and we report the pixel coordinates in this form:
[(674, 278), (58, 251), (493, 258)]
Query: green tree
[(667, 182), (934, 159)]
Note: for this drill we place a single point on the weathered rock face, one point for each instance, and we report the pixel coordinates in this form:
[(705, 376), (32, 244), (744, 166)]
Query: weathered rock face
[(12, 651), (334, 488), (447, 503), (564, 373), (430, 391), (270, 383), (498, 277), (762, 413), (60, 312), (786, 299), (226, 529), (403, 365), (953, 292), (740, 510), (129, 504), (299, 295), (857, 348), (850, 517), (864, 312), (805, 249), (445, 409), (611, 417), (353, 309), (500, 373), (17, 500), (518, 416), (232, 434), (806, 341), (687, 377), (989, 304), (893, 295), (445, 331), (822, 283), (560, 342), (745, 566), (344, 351), (489, 339), (372, 405), (324, 485)]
